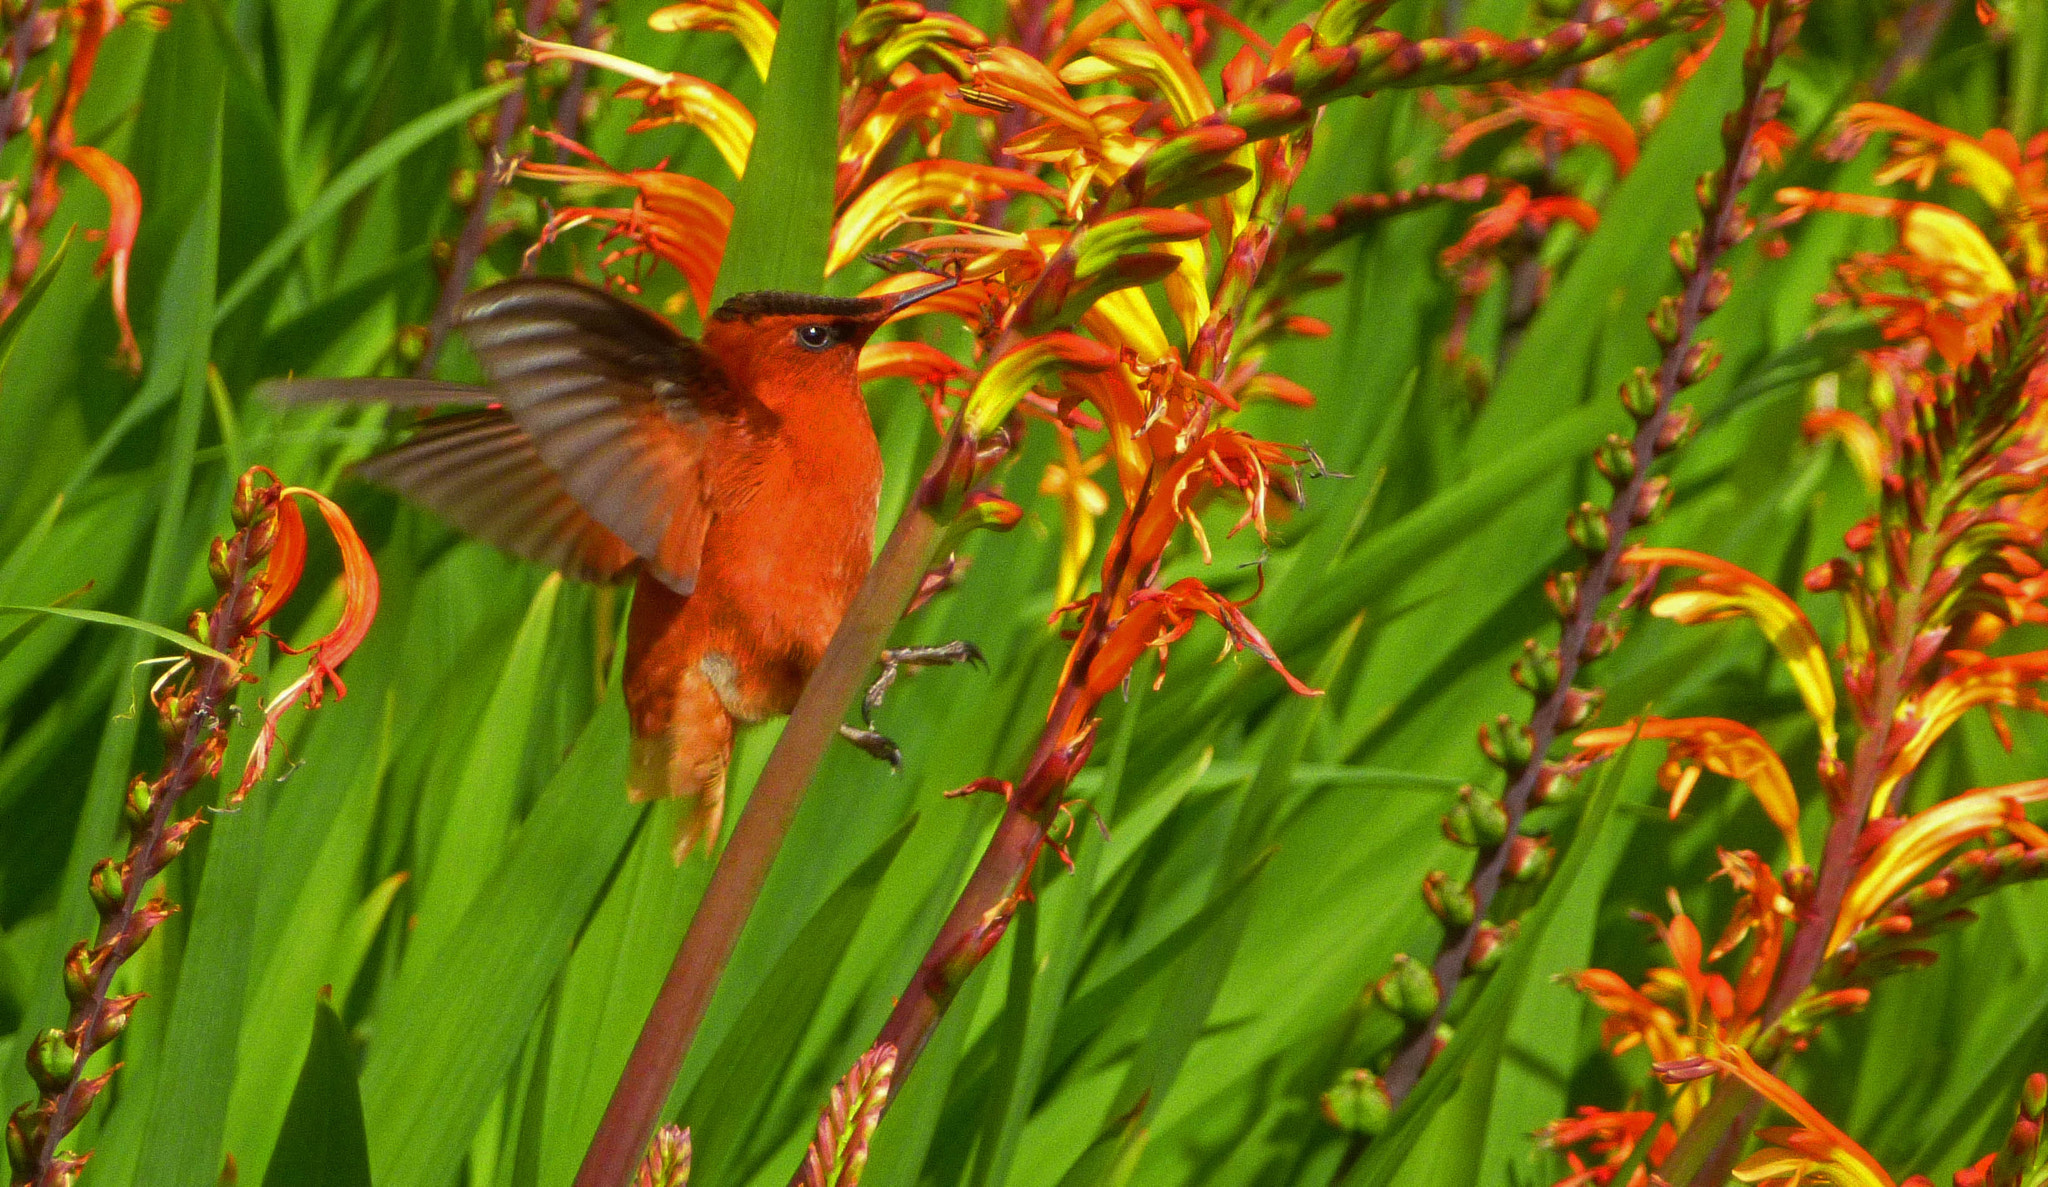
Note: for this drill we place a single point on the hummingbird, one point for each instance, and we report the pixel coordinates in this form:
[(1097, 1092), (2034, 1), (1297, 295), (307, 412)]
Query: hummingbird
[(733, 480)]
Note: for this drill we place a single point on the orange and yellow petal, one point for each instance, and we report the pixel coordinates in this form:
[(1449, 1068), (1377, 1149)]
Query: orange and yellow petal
[(1722, 590), (752, 25), (1924, 839), (1724, 747)]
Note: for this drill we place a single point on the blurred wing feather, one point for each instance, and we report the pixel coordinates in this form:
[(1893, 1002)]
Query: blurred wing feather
[(480, 471), (399, 393), (614, 401)]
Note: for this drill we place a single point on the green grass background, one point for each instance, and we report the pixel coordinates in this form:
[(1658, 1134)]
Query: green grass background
[(451, 854)]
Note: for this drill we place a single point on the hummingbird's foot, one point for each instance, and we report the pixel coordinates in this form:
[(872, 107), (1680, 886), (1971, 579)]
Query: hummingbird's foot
[(874, 744), (895, 659)]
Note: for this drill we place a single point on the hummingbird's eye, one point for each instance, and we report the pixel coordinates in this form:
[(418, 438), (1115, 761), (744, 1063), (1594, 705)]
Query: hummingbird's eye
[(816, 336)]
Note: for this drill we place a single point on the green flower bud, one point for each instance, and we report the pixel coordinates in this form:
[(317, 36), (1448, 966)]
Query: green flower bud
[(1358, 1104)]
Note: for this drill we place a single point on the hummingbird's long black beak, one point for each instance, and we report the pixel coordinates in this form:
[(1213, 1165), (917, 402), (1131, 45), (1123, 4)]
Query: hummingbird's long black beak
[(897, 302)]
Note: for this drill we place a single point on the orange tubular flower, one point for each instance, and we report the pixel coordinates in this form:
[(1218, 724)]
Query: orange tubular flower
[(1683, 1008), (923, 103), (1492, 226), (1813, 1151), (1763, 910), (1611, 1138), (672, 98), (1578, 116), (676, 218), (1723, 590), (2000, 680), (359, 608), (1220, 458), (1724, 747), (1858, 437), (922, 364), (1158, 618), (921, 186), (1993, 166), (1924, 839), (1632, 1018), (124, 220), (1958, 285), (752, 25), (1082, 502)]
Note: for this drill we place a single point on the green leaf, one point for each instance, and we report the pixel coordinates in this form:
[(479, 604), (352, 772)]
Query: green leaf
[(1048, 938), (360, 174), (1199, 973), (472, 835), (450, 1033), (1459, 1082), (725, 1110), (10, 328), (782, 214), (182, 1141), (183, 641), (323, 1143)]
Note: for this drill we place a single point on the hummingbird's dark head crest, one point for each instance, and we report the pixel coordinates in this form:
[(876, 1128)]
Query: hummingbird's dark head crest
[(775, 303)]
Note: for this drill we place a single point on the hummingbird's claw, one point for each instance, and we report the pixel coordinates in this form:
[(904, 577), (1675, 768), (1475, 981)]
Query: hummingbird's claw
[(959, 651), (896, 659), (874, 744)]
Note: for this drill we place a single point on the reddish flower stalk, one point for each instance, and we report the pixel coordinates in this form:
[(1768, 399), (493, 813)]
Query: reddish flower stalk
[(1955, 450), (1586, 635), (256, 570), (1351, 215)]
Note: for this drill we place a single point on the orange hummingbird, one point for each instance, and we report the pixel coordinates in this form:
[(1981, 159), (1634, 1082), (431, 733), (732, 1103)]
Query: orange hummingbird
[(734, 479)]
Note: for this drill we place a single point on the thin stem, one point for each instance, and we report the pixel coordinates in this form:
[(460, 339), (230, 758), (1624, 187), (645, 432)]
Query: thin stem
[(1724, 229), (469, 247), (39, 204), (1918, 27), (18, 57), (983, 909), (635, 1108)]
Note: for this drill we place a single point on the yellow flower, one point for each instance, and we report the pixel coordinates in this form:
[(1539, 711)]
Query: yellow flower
[(1082, 502)]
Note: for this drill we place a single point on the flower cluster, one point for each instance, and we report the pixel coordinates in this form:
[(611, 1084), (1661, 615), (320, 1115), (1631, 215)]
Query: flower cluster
[(1955, 449), (1111, 165), (1510, 848), (256, 570)]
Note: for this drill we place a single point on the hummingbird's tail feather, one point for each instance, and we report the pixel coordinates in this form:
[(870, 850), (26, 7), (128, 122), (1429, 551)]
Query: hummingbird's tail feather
[(398, 392), (685, 758)]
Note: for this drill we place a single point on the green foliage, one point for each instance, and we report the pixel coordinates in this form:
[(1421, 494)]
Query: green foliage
[(322, 1143), (451, 851)]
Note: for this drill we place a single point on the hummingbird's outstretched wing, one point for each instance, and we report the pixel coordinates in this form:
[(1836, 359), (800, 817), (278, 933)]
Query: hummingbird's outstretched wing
[(592, 453), (480, 471)]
